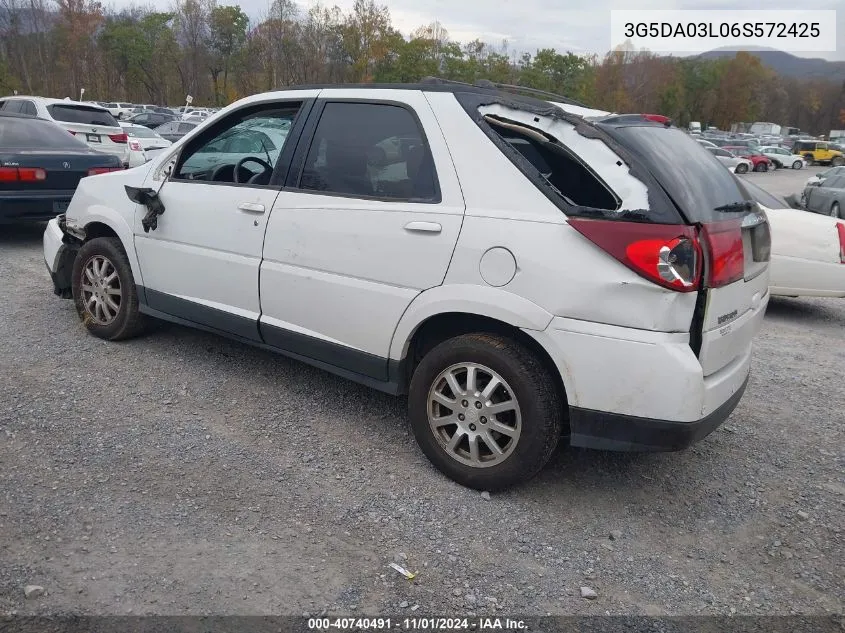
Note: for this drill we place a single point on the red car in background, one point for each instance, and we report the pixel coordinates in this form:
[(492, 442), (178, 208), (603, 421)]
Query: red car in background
[(760, 162)]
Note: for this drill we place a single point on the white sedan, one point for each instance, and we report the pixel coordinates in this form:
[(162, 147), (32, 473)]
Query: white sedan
[(808, 249), (144, 143), (731, 161)]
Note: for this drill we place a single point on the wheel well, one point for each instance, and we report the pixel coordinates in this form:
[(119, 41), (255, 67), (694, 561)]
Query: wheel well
[(441, 327), (98, 229)]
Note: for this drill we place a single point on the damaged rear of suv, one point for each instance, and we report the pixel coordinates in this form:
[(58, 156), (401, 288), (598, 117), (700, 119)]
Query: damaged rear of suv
[(522, 273)]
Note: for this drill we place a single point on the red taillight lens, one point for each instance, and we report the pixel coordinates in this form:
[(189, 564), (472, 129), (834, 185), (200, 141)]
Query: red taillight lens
[(840, 228), (727, 256), (119, 138), (22, 174), (667, 254), (103, 170), (31, 174)]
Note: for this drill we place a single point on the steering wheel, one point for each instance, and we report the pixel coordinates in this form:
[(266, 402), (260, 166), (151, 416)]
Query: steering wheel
[(264, 164)]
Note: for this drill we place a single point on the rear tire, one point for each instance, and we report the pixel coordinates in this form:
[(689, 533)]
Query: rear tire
[(741, 168), (835, 211), (838, 161), (523, 415), (104, 290)]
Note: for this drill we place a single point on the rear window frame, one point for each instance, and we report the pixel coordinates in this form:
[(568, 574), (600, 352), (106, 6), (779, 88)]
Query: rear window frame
[(72, 106)]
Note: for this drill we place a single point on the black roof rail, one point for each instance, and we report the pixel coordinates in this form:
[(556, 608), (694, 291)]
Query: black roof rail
[(490, 85)]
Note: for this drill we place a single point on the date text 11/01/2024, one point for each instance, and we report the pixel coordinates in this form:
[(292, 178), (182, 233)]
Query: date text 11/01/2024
[(416, 624)]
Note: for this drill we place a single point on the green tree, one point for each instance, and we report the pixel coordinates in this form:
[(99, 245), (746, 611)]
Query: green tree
[(227, 27)]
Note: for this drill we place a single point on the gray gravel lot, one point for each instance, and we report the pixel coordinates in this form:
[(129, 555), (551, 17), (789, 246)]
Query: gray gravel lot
[(183, 473)]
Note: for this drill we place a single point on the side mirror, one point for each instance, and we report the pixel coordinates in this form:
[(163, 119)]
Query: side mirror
[(149, 198)]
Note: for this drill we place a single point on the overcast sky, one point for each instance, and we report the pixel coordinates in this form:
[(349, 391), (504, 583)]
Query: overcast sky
[(580, 26)]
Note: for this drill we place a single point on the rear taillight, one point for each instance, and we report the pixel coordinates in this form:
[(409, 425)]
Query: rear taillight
[(727, 256), (119, 138), (840, 228), (103, 170), (22, 174), (667, 254), (135, 146)]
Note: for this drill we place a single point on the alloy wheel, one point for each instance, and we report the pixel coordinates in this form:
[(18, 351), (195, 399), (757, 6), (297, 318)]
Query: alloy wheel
[(474, 414), (101, 294)]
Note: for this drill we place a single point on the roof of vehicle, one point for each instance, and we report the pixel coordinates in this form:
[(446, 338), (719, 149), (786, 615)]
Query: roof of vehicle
[(51, 101)]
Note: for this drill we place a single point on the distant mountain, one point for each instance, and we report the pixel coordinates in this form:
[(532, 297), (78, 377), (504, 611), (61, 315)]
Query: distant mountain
[(790, 65)]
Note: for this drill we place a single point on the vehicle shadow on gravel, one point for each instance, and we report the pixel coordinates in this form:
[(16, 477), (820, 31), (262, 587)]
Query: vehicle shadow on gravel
[(802, 312), (21, 234)]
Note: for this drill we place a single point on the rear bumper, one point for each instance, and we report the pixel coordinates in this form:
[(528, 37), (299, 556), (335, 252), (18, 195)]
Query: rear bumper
[(32, 206), (616, 432)]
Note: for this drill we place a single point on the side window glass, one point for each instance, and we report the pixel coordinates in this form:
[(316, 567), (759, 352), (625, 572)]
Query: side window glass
[(13, 106), (29, 108), (372, 150), (241, 151)]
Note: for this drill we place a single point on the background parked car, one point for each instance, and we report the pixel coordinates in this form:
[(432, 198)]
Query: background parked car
[(174, 130), (819, 152), (40, 166), (730, 160), (90, 123), (151, 119), (758, 160), (782, 157), (808, 251), (144, 143), (827, 197), (120, 110)]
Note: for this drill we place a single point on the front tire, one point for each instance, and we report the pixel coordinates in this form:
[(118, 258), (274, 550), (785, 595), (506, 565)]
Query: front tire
[(838, 161), (798, 164), (104, 290), (761, 167), (742, 168), (485, 411)]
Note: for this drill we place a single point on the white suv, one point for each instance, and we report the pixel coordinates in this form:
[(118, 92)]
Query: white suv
[(90, 123), (521, 273)]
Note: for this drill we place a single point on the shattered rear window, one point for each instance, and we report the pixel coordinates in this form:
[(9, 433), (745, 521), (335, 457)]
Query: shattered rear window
[(585, 172)]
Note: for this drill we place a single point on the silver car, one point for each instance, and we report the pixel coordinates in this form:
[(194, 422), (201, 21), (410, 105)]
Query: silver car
[(731, 161), (827, 197)]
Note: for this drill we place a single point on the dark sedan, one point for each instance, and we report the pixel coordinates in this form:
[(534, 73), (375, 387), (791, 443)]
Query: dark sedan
[(174, 130), (40, 167), (151, 119)]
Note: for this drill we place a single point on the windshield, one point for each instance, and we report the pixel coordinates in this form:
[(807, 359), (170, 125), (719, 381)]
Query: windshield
[(693, 178), (18, 133), (81, 114)]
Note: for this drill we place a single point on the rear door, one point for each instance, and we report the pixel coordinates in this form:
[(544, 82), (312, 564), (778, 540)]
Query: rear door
[(368, 220), (820, 199)]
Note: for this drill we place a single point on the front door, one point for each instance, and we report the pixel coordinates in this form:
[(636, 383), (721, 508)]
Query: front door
[(201, 263)]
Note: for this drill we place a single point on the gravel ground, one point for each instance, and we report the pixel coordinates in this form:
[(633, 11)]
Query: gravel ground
[(181, 473)]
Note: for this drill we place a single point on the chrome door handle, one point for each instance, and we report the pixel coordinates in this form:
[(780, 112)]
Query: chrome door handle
[(251, 207), (424, 227)]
